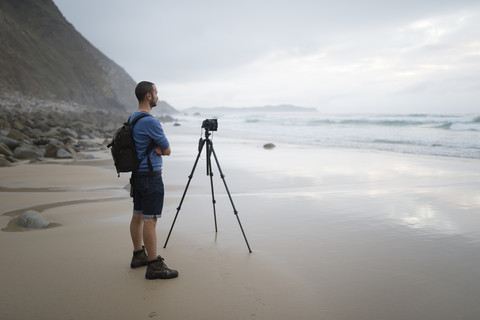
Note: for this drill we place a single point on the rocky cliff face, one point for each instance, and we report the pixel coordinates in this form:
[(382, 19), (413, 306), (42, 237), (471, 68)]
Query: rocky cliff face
[(43, 57), (59, 95)]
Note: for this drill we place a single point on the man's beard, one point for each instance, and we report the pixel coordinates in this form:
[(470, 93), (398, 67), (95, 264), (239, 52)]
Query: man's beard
[(153, 104)]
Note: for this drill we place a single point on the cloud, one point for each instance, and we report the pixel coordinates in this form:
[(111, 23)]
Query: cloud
[(338, 56)]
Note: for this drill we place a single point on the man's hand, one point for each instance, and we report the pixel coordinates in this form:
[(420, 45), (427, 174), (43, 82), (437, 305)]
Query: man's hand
[(161, 152)]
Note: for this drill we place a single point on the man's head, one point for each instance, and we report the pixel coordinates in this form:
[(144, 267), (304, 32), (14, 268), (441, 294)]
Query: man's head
[(146, 92)]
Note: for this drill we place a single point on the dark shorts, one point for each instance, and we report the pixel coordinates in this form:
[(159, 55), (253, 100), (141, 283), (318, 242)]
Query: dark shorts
[(148, 193)]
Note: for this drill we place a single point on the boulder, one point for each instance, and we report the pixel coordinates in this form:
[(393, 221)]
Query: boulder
[(68, 141), (34, 132), (17, 135), (51, 150), (63, 154), (18, 125), (67, 132), (5, 150), (42, 141), (88, 144), (55, 119), (52, 132), (11, 144), (4, 126), (59, 151), (42, 126), (4, 162), (33, 220), (26, 152), (268, 146)]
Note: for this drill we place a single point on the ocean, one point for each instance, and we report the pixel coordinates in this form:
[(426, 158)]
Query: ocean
[(452, 135)]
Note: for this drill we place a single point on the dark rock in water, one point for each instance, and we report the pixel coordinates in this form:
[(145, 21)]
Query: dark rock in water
[(26, 152), (176, 124), (33, 220), (268, 146)]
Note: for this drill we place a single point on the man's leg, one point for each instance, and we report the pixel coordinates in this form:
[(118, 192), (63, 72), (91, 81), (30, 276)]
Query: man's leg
[(136, 231), (157, 269), (139, 258), (152, 208), (150, 237)]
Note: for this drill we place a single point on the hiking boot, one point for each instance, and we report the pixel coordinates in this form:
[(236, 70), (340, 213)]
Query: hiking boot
[(157, 269), (139, 258)]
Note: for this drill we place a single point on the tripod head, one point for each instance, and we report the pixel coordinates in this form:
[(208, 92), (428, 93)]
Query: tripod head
[(202, 140), (207, 134)]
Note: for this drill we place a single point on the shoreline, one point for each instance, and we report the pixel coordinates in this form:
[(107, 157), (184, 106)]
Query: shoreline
[(335, 234)]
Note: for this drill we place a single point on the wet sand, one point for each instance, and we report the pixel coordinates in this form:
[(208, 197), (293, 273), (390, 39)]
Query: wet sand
[(335, 234)]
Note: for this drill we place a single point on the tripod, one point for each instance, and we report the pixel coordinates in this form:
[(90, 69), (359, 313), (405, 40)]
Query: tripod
[(209, 149)]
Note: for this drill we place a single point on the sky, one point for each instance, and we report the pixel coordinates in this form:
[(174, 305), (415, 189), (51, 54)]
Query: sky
[(343, 56)]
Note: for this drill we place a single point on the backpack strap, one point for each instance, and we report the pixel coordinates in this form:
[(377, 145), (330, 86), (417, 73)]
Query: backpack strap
[(140, 116), (151, 145), (149, 149)]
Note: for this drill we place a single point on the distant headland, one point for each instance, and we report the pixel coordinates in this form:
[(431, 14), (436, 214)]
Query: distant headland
[(278, 108)]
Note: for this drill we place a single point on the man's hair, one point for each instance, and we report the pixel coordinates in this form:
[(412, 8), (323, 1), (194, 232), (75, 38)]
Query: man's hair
[(142, 89)]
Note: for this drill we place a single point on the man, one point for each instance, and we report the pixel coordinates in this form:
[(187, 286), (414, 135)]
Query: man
[(147, 185)]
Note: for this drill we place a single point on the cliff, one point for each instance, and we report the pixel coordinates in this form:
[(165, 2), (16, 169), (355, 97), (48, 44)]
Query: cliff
[(43, 57)]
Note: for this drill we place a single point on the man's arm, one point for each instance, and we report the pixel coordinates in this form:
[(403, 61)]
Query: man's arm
[(161, 152)]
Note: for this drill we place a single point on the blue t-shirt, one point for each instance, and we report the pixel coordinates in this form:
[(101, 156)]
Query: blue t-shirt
[(145, 130)]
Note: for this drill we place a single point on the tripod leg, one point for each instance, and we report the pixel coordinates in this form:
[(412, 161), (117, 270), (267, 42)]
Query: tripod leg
[(229, 196), (210, 173), (202, 143)]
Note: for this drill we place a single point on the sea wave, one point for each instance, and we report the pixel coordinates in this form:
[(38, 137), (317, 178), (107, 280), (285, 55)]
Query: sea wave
[(447, 122), (471, 126), (430, 134), (385, 141)]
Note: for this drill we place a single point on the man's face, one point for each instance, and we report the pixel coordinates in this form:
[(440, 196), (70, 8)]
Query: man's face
[(153, 99)]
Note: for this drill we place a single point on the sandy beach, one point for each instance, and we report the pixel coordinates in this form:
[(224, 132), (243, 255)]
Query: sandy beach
[(335, 234)]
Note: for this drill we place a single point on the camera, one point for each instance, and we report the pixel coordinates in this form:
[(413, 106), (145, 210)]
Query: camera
[(210, 124)]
